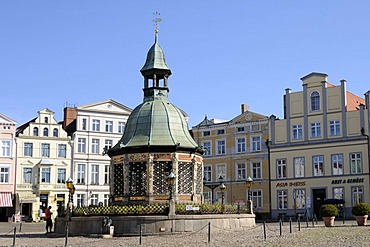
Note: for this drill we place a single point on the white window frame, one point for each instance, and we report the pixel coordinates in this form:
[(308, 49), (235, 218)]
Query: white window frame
[(106, 200), (334, 127), (106, 174), (299, 167), (297, 132), (94, 200), (45, 150), (109, 126), (81, 174), (4, 173), (338, 192), (337, 164), (282, 199), (220, 171), (257, 198), (80, 200), (81, 145), (318, 165), (61, 176), (96, 125), (300, 198), (207, 145), (95, 146), (281, 168), (27, 176), (94, 179), (62, 150), (256, 169), (241, 171), (108, 143), (28, 149), (256, 143), (121, 127), (315, 101), (221, 147), (357, 194), (356, 163), (315, 129), (5, 148), (45, 175), (207, 173), (241, 145)]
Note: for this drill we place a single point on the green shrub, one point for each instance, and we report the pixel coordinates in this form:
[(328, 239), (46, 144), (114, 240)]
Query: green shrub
[(361, 209), (328, 210)]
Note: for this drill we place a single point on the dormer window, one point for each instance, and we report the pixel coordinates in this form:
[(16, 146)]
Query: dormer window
[(36, 131), (55, 132), (46, 120), (46, 132), (315, 101)]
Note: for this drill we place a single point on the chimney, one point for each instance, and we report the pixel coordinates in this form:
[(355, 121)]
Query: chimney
[(244, 108), (70, 114)]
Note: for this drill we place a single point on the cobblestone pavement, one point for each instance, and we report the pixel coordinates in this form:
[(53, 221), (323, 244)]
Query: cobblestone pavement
[(343, 234)]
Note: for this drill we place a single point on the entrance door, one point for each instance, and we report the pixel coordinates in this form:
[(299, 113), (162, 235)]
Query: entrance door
[(319, 195), (44, 201)]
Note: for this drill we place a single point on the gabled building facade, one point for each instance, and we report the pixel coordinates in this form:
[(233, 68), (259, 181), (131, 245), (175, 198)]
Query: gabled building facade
[(7, 167), (234, 150), (94, 127), (320, 149), (43, 162)]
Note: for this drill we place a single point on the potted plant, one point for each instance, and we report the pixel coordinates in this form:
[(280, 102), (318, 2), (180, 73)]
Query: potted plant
[(361, 211), (328, 213)]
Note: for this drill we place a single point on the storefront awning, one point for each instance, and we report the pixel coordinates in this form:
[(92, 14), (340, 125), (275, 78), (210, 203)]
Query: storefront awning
[(6, 199)]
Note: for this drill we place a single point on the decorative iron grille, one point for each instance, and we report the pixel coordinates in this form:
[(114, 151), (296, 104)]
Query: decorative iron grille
[(160, 172), (199, 179), (118, 184), (137, 179), (185, 179)]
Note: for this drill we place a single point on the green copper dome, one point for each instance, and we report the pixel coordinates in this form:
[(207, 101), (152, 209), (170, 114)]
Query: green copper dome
[(156, 124)]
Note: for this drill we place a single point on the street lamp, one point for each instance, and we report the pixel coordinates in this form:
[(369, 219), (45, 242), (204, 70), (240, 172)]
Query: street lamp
[(222, 189), (212, 185), (171, 181), (249, 183)]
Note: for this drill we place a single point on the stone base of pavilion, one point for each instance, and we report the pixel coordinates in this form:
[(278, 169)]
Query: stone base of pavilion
[(150, 225)]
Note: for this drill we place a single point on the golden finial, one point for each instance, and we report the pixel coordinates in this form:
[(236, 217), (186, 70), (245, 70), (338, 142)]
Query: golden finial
[(156, 20)]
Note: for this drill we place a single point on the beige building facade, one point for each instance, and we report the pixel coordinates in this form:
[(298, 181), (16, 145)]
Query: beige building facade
[(43, 163), (320, 149), (234, 151)]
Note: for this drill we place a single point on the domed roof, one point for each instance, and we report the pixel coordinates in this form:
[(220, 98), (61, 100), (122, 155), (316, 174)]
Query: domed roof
[(156, 124)]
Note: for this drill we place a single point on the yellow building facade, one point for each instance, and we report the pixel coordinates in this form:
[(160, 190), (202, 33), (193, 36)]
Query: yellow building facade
[(234, 150), (320, 149)]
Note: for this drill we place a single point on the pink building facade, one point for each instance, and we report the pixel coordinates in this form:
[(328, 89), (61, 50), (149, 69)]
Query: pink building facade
[(7, 167)]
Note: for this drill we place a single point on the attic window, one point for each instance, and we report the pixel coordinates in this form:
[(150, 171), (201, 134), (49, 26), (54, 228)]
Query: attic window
[(206, 133), (240, 129), (46, 120), (220, 132)]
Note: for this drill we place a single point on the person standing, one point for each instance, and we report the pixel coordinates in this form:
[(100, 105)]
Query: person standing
[(49, 222)]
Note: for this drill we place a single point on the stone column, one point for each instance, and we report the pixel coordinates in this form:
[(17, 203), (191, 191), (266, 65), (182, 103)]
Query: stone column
[(149, 168)]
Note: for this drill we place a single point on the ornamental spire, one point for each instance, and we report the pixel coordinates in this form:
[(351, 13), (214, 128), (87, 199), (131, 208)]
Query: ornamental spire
[(156, 20)]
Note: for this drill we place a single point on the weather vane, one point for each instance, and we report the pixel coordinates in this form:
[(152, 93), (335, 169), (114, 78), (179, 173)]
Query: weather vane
[(156, 20)]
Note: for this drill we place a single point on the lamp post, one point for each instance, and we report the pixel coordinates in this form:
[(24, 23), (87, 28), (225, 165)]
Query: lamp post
[(171, 181), (249, 183), (71, 188), (212, 185), (222, 189)]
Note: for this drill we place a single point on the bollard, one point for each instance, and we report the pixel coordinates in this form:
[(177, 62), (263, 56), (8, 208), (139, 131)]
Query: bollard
[(20, 227), (264, 230), (280, 226), (15, 233), (66, 240), (299, 223), (313, 222), (141, 235), (209, 232), (290, 224), (344, 217), (307, 221)]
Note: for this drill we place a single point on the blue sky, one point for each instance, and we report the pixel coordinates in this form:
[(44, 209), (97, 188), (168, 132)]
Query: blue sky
[(221, 53)]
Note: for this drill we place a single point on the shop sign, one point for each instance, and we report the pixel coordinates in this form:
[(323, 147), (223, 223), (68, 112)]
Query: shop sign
[(291, 184), (347, 181)]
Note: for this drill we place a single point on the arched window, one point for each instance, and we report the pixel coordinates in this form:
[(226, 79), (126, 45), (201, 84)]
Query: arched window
[(36, 131), (315, 101), (46, 132), (55, 132), (46, 120)]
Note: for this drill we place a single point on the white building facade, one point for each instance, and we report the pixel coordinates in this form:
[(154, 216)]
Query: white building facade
[(96, 126)]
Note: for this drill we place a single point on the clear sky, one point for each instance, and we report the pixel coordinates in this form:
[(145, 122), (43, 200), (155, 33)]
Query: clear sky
[(221, 53)]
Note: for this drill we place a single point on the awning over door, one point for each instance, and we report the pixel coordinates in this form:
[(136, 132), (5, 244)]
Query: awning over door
[(6, 199)]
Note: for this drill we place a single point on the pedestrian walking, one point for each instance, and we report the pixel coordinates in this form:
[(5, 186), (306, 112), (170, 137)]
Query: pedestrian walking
[(49, 222)]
